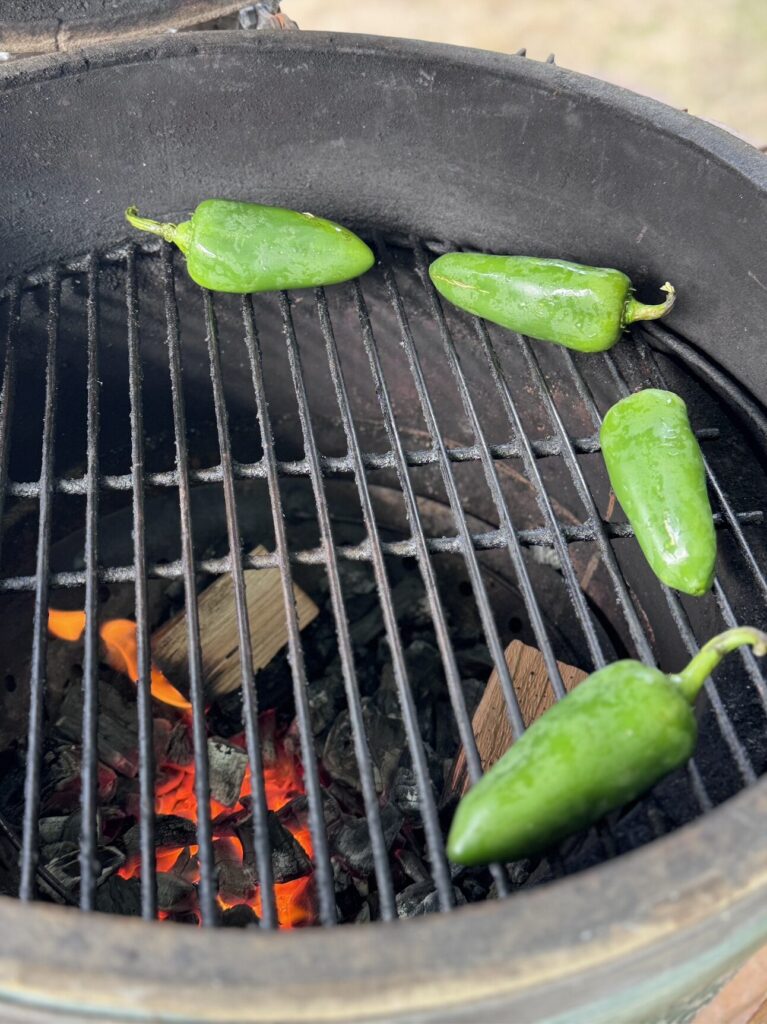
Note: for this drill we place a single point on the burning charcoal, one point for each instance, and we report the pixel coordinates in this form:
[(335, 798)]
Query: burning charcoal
[(172, 743), (473, 890), (61, 780), (118, 729), (472, 692), (227, 770), (119, 896), (409, 602), (385, 737), (352, 839), (235, 882), (421, 898), (475, 661), (61, 828), (66, 868), (169, 831), (404, 793), (53, 851), (413, 866), (187, 865), (359, 589), (173, 893), (190, 917), (289, 859), (326, 697), (239, 916)]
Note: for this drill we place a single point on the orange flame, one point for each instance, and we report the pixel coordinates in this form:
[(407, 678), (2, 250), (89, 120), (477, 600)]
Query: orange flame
[(120, 651), (119, 636), (174, 788), (66, 625)]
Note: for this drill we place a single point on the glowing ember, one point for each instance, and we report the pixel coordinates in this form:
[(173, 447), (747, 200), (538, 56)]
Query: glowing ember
[(174, 790)]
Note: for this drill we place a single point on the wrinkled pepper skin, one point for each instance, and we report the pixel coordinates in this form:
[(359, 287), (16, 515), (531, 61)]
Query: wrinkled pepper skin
[(603, 745), (656, 470), (583, 308), (245, 247)]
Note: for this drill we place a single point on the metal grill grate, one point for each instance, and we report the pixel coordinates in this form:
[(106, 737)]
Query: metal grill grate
[(397, 304)]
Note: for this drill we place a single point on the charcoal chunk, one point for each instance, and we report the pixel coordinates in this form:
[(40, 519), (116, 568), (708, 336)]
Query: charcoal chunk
[(169, 831), (289, 859), (118, 728), (119, 896), (351, 840), (227, 766), (66, 868), (421, 898), (385, 738), (173, 893), (239, 916)]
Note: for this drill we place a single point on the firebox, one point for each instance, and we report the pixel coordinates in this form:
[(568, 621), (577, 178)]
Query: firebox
[(271, 565)]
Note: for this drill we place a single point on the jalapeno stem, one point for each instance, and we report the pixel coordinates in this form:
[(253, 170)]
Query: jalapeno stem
[(176, 233), (691, 679), (635, 310)]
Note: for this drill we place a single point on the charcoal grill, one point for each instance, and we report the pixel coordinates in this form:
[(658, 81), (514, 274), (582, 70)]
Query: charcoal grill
[(441, 441)]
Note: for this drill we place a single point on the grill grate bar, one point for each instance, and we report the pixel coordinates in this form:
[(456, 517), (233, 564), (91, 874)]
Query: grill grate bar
[(249, 694), (602, 530), (422, 552), (410, 720), (487, 541), (196, 685), (556, 534), (388, 908), (143, 652), (38, 677), (322, 866), (574, 591), (682, 622), (89, 770), (541, 449), (478, 586)]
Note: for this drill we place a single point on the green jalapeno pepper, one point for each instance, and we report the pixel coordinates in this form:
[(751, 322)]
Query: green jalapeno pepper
[(656, 469), (607, 742), (244, 247), (584, 308)]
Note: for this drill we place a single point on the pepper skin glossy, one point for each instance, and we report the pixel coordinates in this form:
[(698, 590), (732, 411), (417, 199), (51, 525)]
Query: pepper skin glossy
[(603, 745), (244, 247), (583, 308), (656, 470)]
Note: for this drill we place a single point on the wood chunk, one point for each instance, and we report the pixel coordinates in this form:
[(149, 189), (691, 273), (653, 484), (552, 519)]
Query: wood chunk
[(227, 766), (219, 637), (490, 723)]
